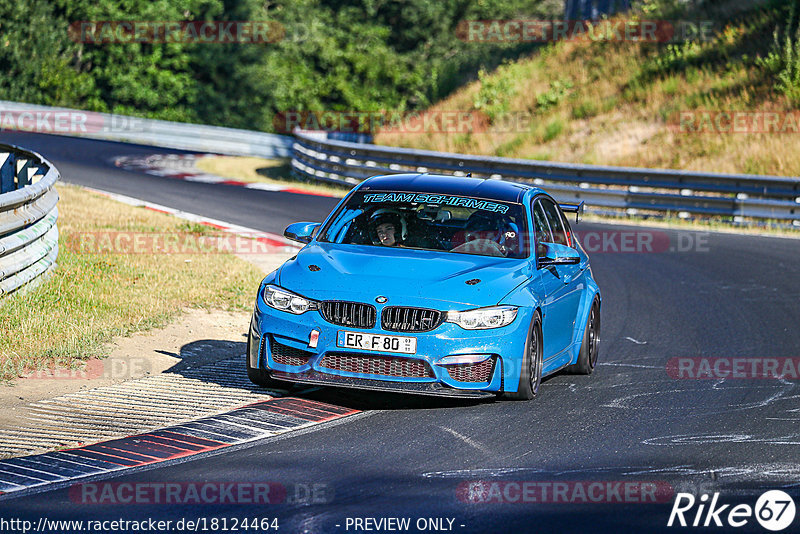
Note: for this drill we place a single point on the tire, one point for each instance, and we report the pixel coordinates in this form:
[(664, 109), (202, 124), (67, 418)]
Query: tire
[(259, 377), (530, 377), (587, 357)]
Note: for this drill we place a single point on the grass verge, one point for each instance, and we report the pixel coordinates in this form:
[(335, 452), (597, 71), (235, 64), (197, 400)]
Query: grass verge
[(259, 170), (94, 296)]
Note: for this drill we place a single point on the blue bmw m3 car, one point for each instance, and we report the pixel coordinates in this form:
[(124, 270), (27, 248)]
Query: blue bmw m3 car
[(429, 284)]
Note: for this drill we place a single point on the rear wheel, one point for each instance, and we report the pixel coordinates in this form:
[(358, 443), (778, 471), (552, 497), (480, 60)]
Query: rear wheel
[(530, 377), (259, 377), (587, 358)]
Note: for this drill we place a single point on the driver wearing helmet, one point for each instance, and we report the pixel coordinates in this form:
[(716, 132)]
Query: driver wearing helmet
[(389, 228)]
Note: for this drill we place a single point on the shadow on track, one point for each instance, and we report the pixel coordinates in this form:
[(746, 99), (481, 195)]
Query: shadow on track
[(222, 362)]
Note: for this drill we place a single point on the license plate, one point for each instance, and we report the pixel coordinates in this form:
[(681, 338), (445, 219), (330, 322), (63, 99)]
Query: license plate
[(376, 342)]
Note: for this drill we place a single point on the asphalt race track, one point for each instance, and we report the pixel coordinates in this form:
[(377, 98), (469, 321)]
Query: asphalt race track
[(86, 162), (629, 425)]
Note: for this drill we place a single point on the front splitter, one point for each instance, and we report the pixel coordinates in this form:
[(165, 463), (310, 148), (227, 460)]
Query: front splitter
[(425, 388)]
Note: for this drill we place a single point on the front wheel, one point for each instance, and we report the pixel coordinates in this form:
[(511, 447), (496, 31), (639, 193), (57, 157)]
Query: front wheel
[(530, 376), (259, 377), (587, 358)]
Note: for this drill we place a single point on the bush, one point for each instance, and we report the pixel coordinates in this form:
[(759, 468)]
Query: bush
[(554, 95), (586, 109), (783, 59), (494, 95), (553, 130)]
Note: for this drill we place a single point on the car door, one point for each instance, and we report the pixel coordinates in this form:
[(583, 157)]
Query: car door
[(560, 283)]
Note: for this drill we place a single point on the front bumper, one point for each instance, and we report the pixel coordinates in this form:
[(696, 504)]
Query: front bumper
[(419, 388), (287, 332)]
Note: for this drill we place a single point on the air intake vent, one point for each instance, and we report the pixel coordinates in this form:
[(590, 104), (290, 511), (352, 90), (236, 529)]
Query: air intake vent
[(286, 355), (472, 372), (366, 364)]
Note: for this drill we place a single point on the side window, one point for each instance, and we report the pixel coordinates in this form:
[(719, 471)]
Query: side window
[(556, 223), (541, 229), (567, 229)]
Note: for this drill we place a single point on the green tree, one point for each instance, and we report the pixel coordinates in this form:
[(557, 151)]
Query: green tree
[(350, 55), (37, 59)]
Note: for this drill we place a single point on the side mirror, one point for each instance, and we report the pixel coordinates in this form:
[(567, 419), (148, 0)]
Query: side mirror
[(559, 255), (301, 231)]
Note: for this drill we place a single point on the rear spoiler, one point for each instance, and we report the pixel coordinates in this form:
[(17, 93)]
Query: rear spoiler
[(577, 209)]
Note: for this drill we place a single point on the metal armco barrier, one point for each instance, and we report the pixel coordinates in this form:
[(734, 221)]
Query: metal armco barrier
[(28, 214), (626, 189), (168, 134)]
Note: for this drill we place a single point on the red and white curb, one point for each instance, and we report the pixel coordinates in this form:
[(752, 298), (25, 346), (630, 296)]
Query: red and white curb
[(182, 167), (272, 241), (243, 425)]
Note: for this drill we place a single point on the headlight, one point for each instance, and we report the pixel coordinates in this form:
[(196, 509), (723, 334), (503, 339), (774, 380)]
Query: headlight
[(483, 318), (283, 300)]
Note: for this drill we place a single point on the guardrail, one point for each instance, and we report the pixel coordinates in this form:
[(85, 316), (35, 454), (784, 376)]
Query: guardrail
[(28, 214), (627, 190), (180, 135)]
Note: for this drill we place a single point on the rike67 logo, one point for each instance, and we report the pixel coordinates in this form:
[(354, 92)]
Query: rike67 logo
[(774, 510)]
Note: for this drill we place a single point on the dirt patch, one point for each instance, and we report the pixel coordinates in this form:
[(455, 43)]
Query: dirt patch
[(146, 353), (626, 141), (613, 138)]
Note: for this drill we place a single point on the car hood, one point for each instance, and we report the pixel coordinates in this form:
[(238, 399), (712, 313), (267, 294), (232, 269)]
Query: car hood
[(327, 271)]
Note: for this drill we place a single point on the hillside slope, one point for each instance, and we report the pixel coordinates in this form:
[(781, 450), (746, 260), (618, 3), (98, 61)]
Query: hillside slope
[(728, 103)]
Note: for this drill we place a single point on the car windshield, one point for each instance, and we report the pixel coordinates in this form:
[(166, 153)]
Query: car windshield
[(429, 221)]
